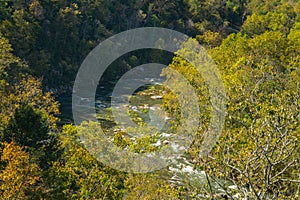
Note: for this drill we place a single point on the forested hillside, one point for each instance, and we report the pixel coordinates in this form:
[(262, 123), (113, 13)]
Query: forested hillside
[(256, 47)]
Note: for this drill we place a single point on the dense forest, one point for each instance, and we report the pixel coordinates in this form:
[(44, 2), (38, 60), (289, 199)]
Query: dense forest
[(256, 47)]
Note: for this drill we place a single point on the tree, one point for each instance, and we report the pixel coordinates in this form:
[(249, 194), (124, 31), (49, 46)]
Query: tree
[(29, 128), (272, 21), (77, 174), (149, 186), (28, 115), (20, 175), (7, 61), (216, 16), (258, 149)]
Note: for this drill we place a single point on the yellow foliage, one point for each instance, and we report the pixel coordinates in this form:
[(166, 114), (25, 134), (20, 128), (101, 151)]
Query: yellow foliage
[(20, 174)]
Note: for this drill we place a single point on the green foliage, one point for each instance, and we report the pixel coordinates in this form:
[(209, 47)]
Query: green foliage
[(28, 127), (258, 150), (256, 46), (7, 58), (211, 39), (280, 6), (272, 21), (78, 175), (149, 186), (222, 16)]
